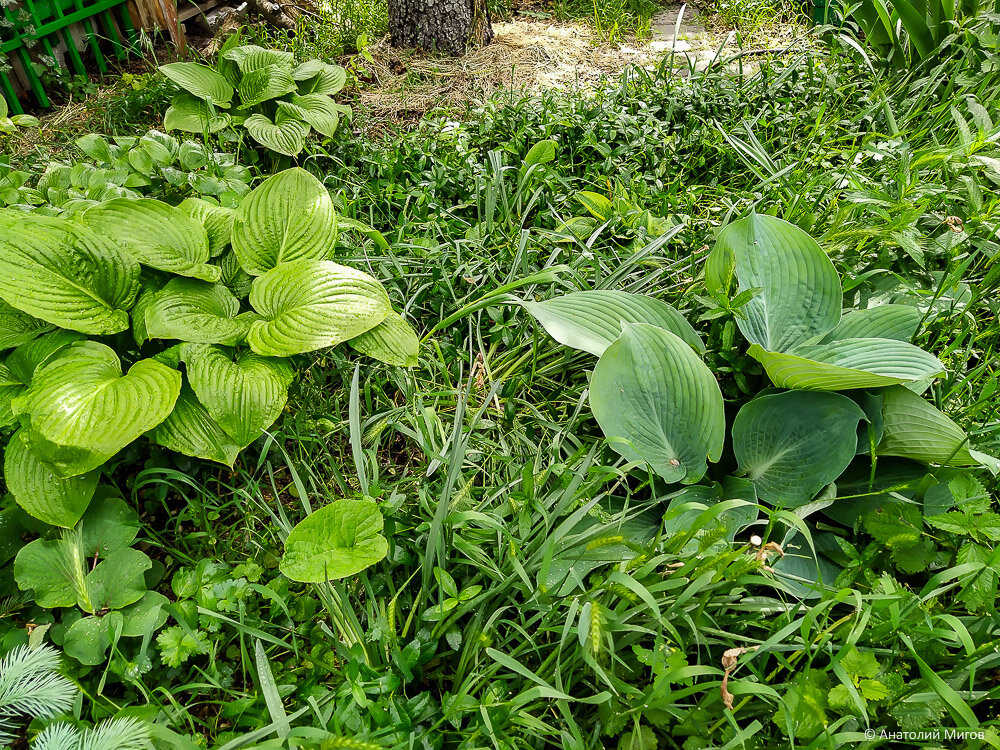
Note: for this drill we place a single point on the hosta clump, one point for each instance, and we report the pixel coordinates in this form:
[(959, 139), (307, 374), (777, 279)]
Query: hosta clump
[(847, 383), (278, 101), (215, 300)]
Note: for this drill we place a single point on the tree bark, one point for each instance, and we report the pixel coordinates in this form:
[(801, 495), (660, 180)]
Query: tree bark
[(450, 26)]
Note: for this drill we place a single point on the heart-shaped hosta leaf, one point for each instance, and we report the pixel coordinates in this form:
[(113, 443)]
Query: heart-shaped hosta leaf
[(804, 574), (10, 387), (847, 364), (264, 84), (318, 110), (897, 322), (18, 328), (336, 541), (199, 80), (41, 492), (65, 274), (392, 341), (791, 445), (658, 403), (192, 115), (191, 430), (197, 311), (286, 135), (217, 220), (80, 410), (592, 320), (312, 304), (27, 358), (250, 57), (798, 290), (243, 395), (287, 217), (914, 428), (316, 77), (158, 235)]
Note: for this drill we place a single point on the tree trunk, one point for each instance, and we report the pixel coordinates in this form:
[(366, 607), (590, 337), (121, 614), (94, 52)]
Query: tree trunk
[(450, 26)]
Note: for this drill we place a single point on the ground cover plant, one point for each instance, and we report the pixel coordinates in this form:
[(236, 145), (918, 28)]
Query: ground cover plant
[(667, 419)]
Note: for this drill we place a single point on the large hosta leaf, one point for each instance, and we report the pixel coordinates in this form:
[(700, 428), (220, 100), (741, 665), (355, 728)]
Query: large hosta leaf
[(197, 311), (316, 77), (658, 403), (41, 492), (392, 341), (17, 327), (318, 110), (336, 541), (64, 274), (312, 304), (192, 115), (591, 320), (264, 84), (27, 358), (288, 217), (847, 364), (244, 394), (80, 410), (10, 387), (199, 80), (914, 428), (217, 220), (250, 57), (158, 235), (792, 444), (286, 135), (798, 290), (897, 322), (191, 430)]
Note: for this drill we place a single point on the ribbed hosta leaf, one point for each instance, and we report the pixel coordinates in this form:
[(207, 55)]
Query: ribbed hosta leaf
[(250, 57), (848, 363), (285, 135), (897, 322), (264, 84), (244, 395), (191, 115), (798, 289), (197, 311), (65, 274), (156, 234), (592, 320), (319, 110), (914, 428), (41, 492), (392, 341), (288, 217), (312, 304), (217, 220), (80, 410), (191, 430), (792, 444), (658, 403), (17, 327), (316, 77), (10, 387), (27, 358), (199, 80)]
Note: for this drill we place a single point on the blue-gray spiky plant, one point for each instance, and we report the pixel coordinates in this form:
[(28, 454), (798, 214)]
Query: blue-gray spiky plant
[(113, 734)]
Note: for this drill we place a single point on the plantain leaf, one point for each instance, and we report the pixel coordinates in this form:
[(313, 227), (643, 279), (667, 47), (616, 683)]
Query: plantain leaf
[(80, 410), (199, 80), (792, 444), (658, 403), (591, 320), (244, 394), (197, 311), (312, 304), (156, 234), (798, 292), (190, 430), (65, 274), (392, 341), (335, 541), (288, 217)]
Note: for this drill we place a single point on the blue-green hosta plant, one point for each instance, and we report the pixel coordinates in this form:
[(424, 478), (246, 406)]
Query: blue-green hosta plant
[(278, 101), (847, 384), (140, 320)]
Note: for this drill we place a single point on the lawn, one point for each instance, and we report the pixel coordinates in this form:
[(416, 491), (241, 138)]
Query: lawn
[(657, 411)]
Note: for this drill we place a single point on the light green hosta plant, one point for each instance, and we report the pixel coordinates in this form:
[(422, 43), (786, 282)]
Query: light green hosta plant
[(278, 101), (10, 124), (215, 300), (847, 384)]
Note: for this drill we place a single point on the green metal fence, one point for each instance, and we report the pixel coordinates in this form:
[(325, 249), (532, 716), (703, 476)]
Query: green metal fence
[(60, 35)]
